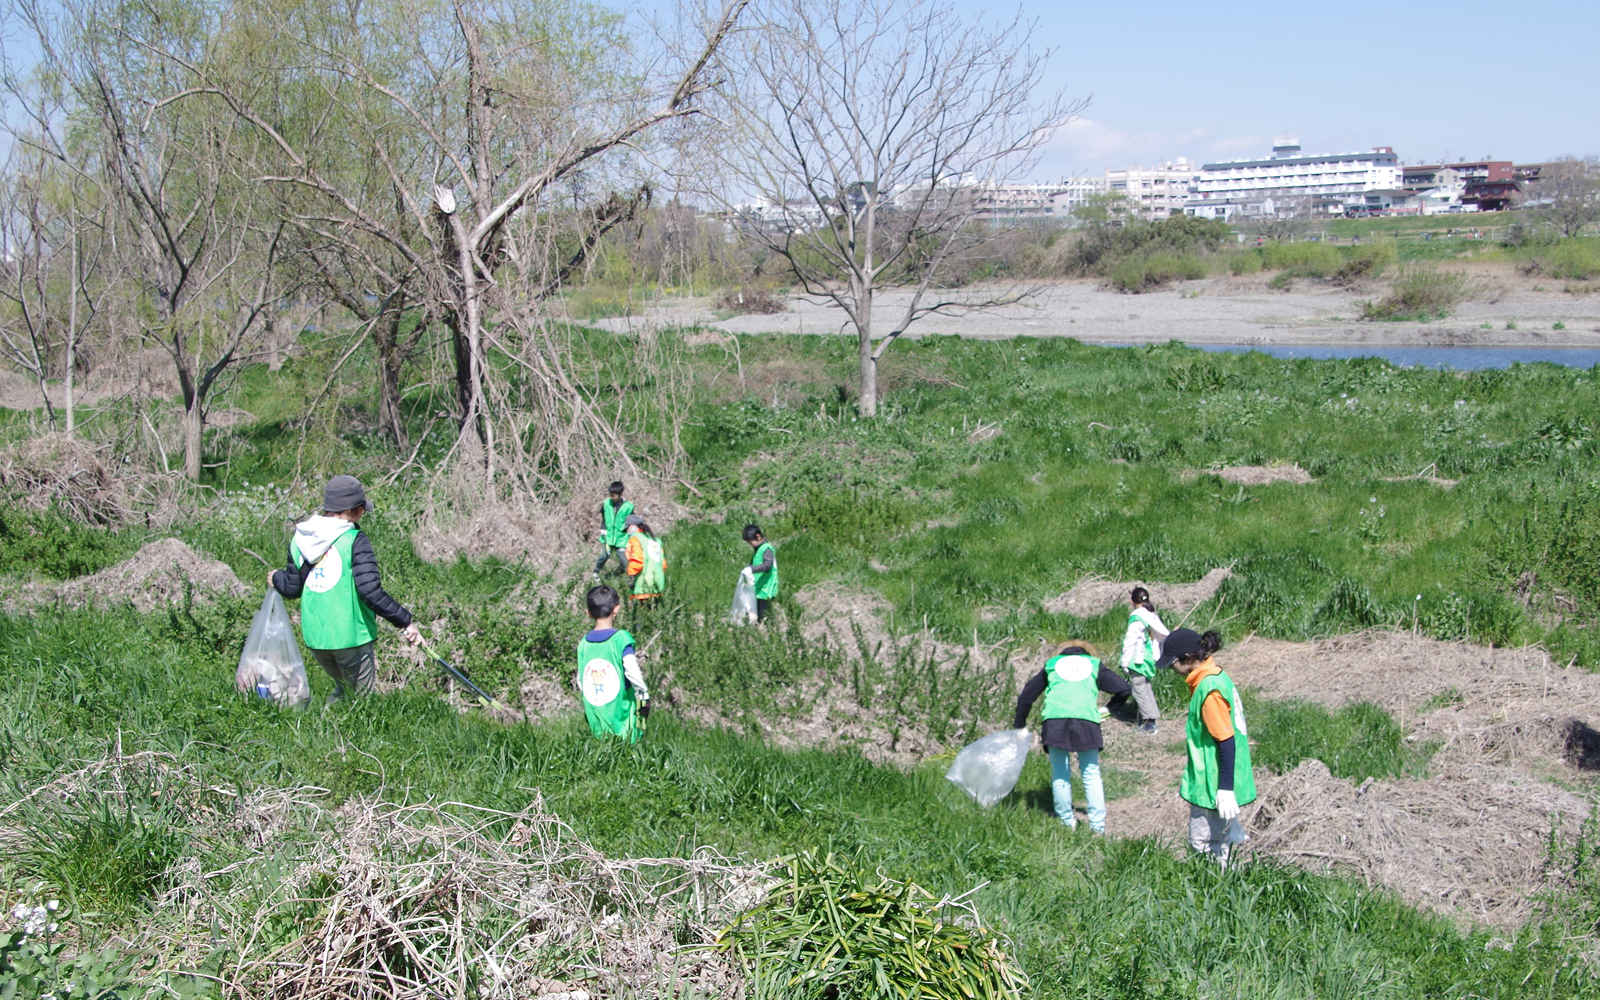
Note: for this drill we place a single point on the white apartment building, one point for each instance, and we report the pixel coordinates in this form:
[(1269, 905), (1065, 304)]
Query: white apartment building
[(1326, 181), (1072, 194), (1156, 191), (1052, 203)]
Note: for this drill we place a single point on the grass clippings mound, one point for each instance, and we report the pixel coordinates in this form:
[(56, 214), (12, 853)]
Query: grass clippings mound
[(1263, 475), (1457, 845), (1095, 595), (161, 574)]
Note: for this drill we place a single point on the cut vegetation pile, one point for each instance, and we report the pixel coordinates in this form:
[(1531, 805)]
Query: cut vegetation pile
[(1095, 596), (162, 574)]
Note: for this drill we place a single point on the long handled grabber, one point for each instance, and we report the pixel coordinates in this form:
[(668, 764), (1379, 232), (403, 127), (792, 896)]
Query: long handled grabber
[(487, 701)]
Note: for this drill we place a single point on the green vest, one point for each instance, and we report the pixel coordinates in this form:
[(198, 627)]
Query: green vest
[(652, 579), (608, 698), (1146, 665), (1199, 785), (332, 615), (616, 533), (1073, 690), (766, 583)]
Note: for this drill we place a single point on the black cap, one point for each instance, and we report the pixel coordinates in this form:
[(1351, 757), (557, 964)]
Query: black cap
[(1181, 642), (344, 493)]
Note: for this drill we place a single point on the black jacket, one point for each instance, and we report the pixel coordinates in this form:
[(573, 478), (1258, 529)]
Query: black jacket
[(1067, 734), (291, 581)]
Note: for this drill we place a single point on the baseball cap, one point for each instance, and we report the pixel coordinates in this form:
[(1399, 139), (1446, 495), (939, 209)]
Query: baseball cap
[(1181, 642)]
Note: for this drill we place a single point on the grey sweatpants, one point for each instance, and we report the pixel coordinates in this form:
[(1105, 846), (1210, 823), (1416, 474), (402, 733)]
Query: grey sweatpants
[(354, 670), (1144, 695), (1210, 834)]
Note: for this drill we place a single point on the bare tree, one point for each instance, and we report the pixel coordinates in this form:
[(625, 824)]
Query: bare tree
[(868, 132), (1566, 196)]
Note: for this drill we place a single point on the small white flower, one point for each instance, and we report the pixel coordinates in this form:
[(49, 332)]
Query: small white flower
[(1372, 500), (51, 906), (20, 911)]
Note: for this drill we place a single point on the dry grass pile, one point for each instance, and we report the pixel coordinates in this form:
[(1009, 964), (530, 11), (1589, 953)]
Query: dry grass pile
[(1096, 595), (419, 902), (53, 470), (162, 573), (404, 902), (552, 539), (1262, 475), (1454, 844)]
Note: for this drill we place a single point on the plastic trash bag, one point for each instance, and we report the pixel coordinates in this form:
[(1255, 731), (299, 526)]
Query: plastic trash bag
[(270, 664), (744, 602), (988, 769)]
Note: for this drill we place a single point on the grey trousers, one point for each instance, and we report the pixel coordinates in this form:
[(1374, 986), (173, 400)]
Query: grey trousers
[(1144, 695), (1210, 834), (354, 670)]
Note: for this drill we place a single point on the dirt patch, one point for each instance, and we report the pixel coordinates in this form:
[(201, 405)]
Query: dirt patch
[(1262, 475), (1094, 595), (160, 574)]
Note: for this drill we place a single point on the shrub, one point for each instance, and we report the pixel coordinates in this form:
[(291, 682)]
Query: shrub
[(1302, 260), (1137, 275), (1246, 262), (1366, 262), (1419, 293), (1578, 259), (1102, 247)]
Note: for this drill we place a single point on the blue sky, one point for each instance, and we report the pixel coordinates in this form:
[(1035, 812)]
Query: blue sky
[(1218, 80)]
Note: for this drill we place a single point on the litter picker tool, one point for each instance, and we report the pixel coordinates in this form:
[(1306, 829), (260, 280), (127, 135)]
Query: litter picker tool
[(487, 701)]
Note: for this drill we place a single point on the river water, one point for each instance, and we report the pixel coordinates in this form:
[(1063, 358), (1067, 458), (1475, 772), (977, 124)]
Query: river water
[(1460, 358)]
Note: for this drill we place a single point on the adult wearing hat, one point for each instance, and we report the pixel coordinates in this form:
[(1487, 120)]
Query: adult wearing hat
[(334, 572), (1217, 779)]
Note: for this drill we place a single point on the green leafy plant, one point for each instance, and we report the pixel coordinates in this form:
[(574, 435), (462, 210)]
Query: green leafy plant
[(1419, 293), (836, 931)]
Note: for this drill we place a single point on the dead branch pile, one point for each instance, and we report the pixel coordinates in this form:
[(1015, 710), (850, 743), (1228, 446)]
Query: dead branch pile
[(53, 470), (1454, 844), (428, 901)]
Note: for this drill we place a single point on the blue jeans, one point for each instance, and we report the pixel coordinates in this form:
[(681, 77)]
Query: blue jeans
[(1093, 790)]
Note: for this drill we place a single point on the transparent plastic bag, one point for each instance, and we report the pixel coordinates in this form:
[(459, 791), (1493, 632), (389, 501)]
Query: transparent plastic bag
[(744, 601), (988, 769), (271, 665)]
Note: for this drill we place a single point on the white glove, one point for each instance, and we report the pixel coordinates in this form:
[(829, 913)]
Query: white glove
[(748, 574), (1227, 805)]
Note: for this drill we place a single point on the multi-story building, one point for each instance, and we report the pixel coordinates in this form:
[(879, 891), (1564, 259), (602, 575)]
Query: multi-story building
[(1074, 194), (1485, 185), (1041, 203), (1320, 184), (1156, 191)]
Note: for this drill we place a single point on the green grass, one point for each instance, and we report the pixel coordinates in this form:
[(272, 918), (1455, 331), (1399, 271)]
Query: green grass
[(1357, 741), (1086, 917)]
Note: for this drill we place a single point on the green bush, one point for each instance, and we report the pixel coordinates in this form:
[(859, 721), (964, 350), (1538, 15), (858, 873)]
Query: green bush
[(1141, 274), (1419, 293), (1578, 259), (1244, 262), (1303, 260), (1366, 262), (58, 548)]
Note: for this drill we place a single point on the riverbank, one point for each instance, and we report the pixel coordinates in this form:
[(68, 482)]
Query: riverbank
[(1505, 310)]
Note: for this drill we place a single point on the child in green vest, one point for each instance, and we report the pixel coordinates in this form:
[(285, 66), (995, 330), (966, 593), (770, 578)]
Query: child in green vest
[(615, 698), (1141, 648), (614, 513), (334, 572), (762, 571), (1217, 779), (1071, 683)]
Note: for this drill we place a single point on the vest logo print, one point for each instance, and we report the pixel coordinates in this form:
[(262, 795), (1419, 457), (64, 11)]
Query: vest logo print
[(601, 682), (1074, 668), (325, 576)]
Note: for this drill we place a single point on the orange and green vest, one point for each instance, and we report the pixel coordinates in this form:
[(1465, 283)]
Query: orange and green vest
[(651, 580), (1199, 786)]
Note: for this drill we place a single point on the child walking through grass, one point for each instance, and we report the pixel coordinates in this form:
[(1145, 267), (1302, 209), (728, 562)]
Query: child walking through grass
[(1217, 779), (647, 561), (1071, 683), (1141, 648), (616, 699)]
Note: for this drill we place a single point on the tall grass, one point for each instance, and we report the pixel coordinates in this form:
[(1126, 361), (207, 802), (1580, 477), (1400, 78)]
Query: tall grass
[(1419, 293)]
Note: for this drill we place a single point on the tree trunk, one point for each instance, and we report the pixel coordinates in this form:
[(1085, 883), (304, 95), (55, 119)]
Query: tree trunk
[(192, 426), (386, 335), (867, 404)]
